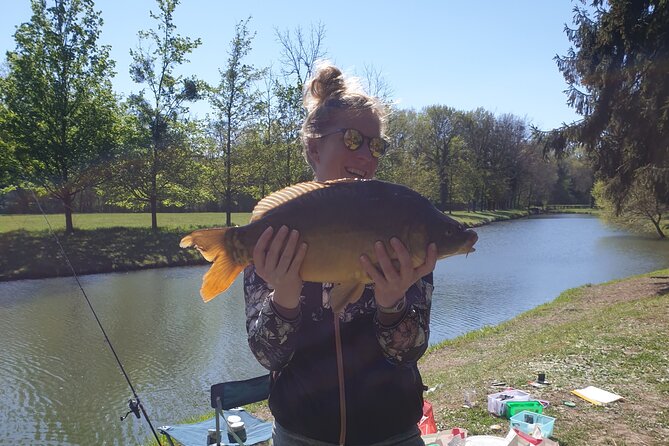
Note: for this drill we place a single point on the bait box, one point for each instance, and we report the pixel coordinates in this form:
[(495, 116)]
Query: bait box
[(513, 407), (497, 401), (527, 422)]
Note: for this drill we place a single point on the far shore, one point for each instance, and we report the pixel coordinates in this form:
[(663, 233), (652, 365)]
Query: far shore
[(104, 245)]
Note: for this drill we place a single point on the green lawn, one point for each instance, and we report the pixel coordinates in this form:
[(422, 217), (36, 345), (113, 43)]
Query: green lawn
[(186, 221), (127, 220)]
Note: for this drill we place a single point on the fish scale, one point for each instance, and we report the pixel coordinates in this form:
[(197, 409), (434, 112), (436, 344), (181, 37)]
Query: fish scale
[(339, 221)]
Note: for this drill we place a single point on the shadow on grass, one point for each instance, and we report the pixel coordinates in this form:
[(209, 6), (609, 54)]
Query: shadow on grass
[(30, 255)]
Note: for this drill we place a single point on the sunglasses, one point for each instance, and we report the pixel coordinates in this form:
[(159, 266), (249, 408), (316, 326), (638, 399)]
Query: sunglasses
[(353, 140)]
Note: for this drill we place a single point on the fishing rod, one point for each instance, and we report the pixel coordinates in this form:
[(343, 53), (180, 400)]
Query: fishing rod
[(135, 405)]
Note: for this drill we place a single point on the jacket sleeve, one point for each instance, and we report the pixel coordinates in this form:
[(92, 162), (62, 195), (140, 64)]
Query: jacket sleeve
[(272, 339), (407, 340)]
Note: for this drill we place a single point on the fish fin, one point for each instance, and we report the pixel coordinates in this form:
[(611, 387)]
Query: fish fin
[(208, 241), (211, 244), (345, 293), (219, 277), (284, 195)]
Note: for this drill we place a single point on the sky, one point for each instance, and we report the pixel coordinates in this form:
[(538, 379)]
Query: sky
[(464, 54)]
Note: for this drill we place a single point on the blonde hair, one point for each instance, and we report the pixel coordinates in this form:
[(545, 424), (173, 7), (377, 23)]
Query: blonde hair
[(329, 91)]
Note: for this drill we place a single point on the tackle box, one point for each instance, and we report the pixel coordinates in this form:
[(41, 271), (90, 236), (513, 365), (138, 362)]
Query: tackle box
[(497, 401), (513, 407), (527, 422)]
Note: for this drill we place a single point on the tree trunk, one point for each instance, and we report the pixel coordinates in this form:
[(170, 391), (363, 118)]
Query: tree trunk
[(67, 204), (659, 230), (154, 184), (228, 189), (154, 213), (443, 193)]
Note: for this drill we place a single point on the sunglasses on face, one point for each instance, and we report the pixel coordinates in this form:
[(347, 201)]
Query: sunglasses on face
[(353, 140)]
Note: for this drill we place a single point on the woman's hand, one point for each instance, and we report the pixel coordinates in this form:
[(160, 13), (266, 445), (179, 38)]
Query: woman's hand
[(390, 283), (279, 265)]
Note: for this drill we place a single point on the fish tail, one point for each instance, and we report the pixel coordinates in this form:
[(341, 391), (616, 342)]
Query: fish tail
[(214, 245)]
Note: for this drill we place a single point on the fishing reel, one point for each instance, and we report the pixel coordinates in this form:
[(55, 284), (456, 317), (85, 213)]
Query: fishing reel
[(134, 408)]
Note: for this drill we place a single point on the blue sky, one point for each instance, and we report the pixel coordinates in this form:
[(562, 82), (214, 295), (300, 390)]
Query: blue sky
[(464, 54)]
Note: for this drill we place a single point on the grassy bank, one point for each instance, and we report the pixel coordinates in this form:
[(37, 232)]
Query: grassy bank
[(613, 336), (121, 242), (593, 211)]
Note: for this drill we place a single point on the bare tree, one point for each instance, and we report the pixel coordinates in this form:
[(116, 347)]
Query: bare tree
[(377, 85), (300, 51)]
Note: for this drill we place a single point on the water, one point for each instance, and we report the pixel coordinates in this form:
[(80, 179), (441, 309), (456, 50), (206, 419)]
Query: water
[(61, 385)]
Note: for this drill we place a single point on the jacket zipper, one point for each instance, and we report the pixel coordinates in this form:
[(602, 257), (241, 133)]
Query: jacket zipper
[(340, 376)]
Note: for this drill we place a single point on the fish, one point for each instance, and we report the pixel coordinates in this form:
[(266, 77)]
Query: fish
[(339, 220)]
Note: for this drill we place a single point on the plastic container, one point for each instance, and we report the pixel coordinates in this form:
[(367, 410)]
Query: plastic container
[(513, 407), (527, 422), (497, 401)]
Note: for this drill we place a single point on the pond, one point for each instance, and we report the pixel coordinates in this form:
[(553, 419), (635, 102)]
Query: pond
[(62, 386)]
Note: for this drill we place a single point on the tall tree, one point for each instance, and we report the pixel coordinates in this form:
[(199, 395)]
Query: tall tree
[(60, 111), (641, 211), (299, 54), (618, 82), (478, 132), (163, 107), (405, 163), (234, 100), (438, 137)]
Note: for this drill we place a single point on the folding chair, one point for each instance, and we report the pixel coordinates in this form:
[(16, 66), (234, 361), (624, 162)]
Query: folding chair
[(226, 398)]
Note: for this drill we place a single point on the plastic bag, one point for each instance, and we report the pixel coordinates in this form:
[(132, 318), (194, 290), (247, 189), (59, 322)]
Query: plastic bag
[(454, 437), (517, 437), (426, 423)]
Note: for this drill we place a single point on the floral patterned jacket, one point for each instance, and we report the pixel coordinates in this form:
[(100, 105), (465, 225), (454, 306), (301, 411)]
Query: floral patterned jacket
[(271, 337), (321, 362)]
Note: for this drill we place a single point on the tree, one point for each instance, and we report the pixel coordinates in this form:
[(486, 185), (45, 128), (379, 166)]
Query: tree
[(234, 101), (641, 211), (617, 77), (377, 85), (175, 175), (299, 54), (478, 132), (9, 165), (59, 110), (405, 163), (438, 136), (160, 113)]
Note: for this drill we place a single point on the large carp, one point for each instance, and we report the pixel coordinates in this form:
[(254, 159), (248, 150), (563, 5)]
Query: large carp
[(339, 220)]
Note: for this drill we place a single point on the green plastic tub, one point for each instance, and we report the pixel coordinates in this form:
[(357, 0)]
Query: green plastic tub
[(514, 407)]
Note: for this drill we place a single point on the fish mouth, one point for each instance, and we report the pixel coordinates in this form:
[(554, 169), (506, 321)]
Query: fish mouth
[(357, 173), (469, 246)]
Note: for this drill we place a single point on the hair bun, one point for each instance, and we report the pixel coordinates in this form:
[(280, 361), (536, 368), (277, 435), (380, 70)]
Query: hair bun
[(327, 83)]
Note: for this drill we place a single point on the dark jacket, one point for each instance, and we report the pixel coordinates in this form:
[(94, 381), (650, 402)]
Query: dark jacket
[(382, 384)]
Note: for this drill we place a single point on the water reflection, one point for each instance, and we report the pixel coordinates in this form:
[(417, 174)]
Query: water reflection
[(61, 385)]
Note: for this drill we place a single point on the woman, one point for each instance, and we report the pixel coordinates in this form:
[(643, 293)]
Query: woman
[(351, 377)]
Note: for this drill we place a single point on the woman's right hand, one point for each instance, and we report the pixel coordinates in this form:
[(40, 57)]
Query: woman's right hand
[(279, 265)]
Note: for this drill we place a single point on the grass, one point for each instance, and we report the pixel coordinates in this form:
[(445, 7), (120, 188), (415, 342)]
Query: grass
[(36, 222), (31, 255), (612, 336), (593, 211), (120, 242), (473, 219)]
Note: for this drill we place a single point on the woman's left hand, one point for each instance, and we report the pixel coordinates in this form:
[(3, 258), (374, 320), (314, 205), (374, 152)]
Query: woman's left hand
[(391, 283)]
